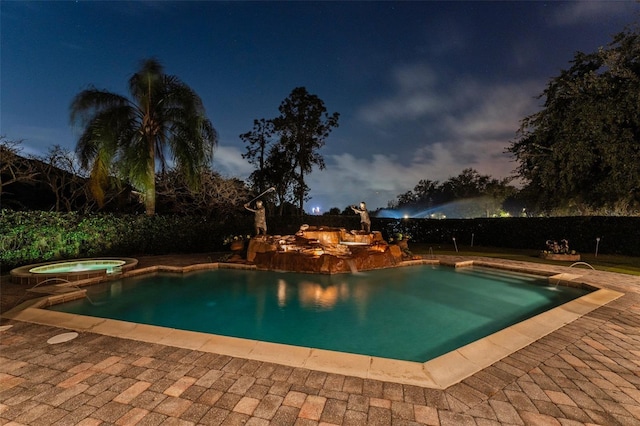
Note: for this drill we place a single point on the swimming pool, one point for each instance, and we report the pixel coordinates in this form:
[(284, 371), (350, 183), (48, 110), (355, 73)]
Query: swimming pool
[(412, 313)]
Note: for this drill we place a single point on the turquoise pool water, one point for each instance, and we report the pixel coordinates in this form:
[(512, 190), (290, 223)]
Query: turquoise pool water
[(413, 313)]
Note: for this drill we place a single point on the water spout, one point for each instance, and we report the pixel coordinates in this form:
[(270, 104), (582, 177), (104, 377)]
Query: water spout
[(352, 266)]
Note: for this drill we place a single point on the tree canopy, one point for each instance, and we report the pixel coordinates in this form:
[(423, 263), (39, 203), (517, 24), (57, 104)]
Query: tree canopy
[(285, 149), (162, 117), (580, 152), (484, 194)]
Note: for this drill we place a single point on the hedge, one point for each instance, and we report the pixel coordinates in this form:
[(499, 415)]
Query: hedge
[(33, 237)]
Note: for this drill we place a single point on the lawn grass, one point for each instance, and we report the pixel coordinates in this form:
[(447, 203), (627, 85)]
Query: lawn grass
[(603, 262)]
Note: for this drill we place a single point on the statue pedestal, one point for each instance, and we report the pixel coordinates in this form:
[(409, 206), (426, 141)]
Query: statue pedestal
[(562, 257), (323, 250)]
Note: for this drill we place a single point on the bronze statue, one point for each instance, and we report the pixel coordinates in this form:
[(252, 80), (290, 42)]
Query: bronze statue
[(365, 222), (260, 218)]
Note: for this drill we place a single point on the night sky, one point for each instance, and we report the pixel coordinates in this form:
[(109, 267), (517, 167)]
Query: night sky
[(424, 89)]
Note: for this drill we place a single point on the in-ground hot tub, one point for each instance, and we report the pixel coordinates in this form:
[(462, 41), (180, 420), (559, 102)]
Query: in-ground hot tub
[(71, 270)]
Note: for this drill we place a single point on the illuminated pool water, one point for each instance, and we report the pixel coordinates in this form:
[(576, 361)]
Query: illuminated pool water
[(78, 266), (70, 270), (412, 313)]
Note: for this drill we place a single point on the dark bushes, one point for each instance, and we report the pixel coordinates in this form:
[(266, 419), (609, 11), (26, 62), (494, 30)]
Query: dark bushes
[(35, 236)]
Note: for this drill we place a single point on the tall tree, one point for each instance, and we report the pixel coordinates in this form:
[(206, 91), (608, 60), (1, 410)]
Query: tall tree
[(258, 141), (303, 126), (163, 116), (582, 149)]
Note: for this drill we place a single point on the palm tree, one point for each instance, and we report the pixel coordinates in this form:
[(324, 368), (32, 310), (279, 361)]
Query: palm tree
[(132, 136)]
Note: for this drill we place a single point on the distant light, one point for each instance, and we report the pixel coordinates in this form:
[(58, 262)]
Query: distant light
[(406, 216), (315, 210)]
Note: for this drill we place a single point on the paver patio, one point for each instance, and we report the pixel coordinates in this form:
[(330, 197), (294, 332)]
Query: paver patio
[(587, 372)]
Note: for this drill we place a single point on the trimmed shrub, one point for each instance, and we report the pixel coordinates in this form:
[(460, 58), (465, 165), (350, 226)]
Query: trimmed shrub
[(36, 236)]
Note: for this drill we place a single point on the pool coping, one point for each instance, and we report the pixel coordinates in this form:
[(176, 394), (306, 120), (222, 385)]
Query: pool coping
[(438, 373)]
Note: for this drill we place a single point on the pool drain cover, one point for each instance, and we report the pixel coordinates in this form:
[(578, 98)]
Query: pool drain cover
[(61, 338)]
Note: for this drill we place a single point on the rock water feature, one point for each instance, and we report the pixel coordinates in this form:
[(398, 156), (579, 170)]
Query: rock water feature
[(324, 250)]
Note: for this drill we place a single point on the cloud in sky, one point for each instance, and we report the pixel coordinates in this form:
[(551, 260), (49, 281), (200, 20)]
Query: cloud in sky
[(587, 11), (473, 121)]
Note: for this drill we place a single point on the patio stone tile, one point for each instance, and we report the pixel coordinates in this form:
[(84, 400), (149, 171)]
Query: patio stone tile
[(483, 411), (537, 419), (257, 391), (132, 392), (265, 370), (193, 393), (329, 394), (90, 422), (448, 418), (172, 406), (102, 398), (235, 419), (152, 419), (402, 410), (195, 412), (210, 396), (574, 413), (160, 385), (227, 401), (506, 412), (152, 375), (255, 421), (246, 405), (372, 388), (312, 407), (295, 399), (426, 415), (77, 402), (316, 379), (75, 416), (224, 382), (379, 416), (148, 400), (280, 388), (334, 382), (333, 411), (249, 368), (548, 408), (466, 394), (520, 401), (602, 418), (133, 416), (179, 386), (358, 403), (354, 418), (111, 412), (353, 385), (298, 375), (284, 416), (379, 402), (179, 372), (242, 385), (436, 398), (269, 406), (209, 378)]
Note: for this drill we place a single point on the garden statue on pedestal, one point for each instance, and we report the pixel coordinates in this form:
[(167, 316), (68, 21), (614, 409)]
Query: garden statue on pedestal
[(365, 222), (260, 218)]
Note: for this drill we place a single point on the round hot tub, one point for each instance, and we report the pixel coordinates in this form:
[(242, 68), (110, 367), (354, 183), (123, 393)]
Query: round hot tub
[(71, 270)]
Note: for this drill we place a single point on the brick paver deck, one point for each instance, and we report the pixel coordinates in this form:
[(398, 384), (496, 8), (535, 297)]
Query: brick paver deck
[(585, 373)]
